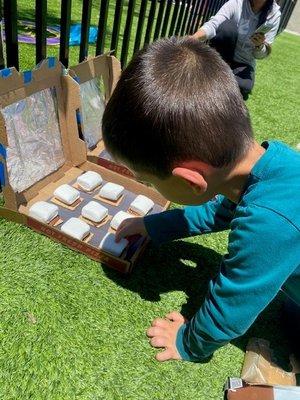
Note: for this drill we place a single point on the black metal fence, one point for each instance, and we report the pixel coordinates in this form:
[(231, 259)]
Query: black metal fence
[(156, 18)]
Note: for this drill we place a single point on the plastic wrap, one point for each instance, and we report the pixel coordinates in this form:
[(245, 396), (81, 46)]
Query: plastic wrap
[(92, 105), (260, 368), (34, 142)]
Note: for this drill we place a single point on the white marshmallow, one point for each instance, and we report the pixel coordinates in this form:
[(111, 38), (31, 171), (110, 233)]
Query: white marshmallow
[(76, 228), (119, 218), (141, 205), (66, 194), (109, 245), (43, 211), (111, 191), (89, 180), (94, 211)]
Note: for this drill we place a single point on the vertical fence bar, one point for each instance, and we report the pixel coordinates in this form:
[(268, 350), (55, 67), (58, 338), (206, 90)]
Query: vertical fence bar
[(195, 17), (140, 25), (180, 17), (150, 21), (100, 44), (174, 18), (291, 9), (40, 29), (185, 18), (166, 18), (286, 12), (65, 23), (283, 5), (11, 33), (85, 29), (206, 12), (216, 7), (200, 12), (116, 28), (159, 19), (191, 14), (127, 32)]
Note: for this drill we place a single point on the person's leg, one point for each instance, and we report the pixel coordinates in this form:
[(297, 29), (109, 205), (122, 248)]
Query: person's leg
[(245, 76), (291, 325), (225, 40)]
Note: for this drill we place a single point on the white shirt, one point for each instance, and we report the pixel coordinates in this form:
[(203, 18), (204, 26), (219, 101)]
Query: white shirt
[(240, 12)]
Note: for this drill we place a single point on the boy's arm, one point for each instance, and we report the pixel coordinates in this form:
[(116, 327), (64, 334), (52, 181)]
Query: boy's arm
[(263, 251), (214, 216)]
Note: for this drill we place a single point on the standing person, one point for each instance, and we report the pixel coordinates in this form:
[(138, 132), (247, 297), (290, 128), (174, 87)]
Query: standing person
[(242, 31)]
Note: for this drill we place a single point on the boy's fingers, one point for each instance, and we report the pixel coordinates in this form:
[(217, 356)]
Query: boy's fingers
[(158, 341), (122, 231), (162, 323), (155, 331), (165, 355), (175, 316)]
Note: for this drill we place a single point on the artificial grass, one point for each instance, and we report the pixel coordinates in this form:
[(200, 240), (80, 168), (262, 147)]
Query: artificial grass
[(73, 329)]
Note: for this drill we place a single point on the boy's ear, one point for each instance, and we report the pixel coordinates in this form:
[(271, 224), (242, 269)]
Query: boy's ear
[(193, 177)]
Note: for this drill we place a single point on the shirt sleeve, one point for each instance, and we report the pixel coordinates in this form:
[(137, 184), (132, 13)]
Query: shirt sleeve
[(258, 263), (226, 12), (214, 216)]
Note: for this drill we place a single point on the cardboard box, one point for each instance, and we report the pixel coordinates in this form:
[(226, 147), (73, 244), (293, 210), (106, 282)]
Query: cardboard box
[(97, 78), (260, 368), (237, 389), (38, 153)]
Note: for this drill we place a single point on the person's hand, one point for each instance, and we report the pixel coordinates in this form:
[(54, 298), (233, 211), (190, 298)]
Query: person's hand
[(130, 227), (200, 35), (258, 39), (163, 333)]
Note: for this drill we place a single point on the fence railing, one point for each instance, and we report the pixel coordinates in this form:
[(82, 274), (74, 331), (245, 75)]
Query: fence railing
[(154, 19)]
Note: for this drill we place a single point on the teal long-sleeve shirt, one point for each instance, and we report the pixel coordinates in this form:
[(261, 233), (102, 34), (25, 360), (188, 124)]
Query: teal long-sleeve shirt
[(263, 254)]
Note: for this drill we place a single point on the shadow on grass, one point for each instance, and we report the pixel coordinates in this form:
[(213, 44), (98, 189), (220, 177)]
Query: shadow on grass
[(188, 267)]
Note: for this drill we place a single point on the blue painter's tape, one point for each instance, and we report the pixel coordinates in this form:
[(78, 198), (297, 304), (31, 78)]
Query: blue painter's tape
[(2, 151), (78, 117), (76, 79), (27, 76), (51, 62), (2, 175), (5, 72)]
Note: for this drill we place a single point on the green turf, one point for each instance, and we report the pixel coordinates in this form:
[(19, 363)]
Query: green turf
[(26, 12), (73, 329)]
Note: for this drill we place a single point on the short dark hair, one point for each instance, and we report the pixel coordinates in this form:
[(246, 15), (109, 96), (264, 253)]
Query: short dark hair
[(176, 101)]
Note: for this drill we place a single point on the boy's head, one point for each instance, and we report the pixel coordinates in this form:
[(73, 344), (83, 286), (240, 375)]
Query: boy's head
[(175, 117)]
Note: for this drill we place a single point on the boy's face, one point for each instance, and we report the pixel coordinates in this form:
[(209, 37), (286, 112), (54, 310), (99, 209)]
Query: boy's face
[(177, 189)]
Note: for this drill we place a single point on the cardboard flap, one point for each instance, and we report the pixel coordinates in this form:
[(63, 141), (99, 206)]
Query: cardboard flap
[(104, 66), (10, 79), (46, 86), (97, 78), (13, 215)]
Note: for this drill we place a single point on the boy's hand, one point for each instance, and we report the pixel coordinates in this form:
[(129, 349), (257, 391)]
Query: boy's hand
[(163, 333), (258, 39), (130, 227)]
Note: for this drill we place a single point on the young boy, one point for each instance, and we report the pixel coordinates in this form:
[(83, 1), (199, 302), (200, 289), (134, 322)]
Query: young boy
[(177, 120)]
